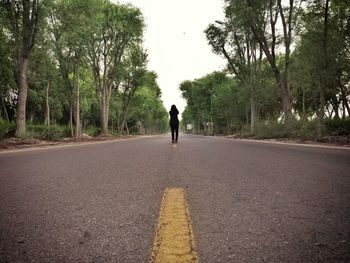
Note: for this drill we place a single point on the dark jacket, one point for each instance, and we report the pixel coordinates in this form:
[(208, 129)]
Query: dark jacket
[(173, 117)]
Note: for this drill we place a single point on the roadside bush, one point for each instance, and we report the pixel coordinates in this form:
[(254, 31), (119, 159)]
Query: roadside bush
[(7, 128), (304, 129), (269, 130), (300, 129), (337, 127), (294, 129), (55, 132), (93, 131)]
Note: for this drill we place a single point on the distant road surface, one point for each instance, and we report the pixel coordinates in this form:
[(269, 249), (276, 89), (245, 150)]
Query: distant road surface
[(248, 201)]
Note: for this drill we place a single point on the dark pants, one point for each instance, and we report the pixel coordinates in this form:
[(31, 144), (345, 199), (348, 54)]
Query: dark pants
[(174, 128)]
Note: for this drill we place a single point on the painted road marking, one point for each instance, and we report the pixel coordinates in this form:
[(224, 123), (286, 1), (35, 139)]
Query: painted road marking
[(174, 241)]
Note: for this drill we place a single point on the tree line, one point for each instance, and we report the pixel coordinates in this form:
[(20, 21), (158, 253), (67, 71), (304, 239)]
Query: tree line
[(79, 63), (287, 65)]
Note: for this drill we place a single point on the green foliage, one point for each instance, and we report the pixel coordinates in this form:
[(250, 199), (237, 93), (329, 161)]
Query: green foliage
[(88, 101), (338, 127), (93, 131), (148, 114), (74, 39), (295, 129), (302, 129), (7, 128), (114, 41), (226, 101), (307, 80), (7, 65), (207, 100), (55, 132)]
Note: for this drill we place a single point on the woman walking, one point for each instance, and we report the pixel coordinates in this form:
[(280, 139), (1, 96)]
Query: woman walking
[(174, 123)]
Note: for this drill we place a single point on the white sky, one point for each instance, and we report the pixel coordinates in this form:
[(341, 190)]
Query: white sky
[(176, 43)]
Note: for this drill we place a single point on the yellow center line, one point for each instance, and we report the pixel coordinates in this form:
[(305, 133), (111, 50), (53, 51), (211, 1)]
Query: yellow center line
[(174, 241)]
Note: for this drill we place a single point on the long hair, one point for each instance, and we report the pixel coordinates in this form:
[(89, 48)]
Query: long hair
[(173, 108)]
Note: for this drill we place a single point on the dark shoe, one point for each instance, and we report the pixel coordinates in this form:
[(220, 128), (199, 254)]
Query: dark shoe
[(172, 142)]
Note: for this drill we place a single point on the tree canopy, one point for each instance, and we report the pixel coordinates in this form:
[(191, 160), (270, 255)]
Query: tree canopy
[(79, 63), (287, 61)]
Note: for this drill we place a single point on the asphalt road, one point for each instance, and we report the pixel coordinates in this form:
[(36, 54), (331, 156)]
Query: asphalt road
[(249, 201)]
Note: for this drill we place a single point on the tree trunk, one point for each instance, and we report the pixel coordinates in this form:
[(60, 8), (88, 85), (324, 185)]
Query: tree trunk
[(304, 111), (320, 126), (286, 99), (329, 112), (228, 126), (259, 34), (104, 109), (47, 117), (336, 112), (287, 103), (252, 112), (252, 101), (102, 114), (344, 99), (71, 119), (22, 97), (118, 120), (247, 115), (104, 125), (127, 128), (31, 117), (106, 114), (5, 110), (23, 19), (77, 119), (124, 122), (335, 103)]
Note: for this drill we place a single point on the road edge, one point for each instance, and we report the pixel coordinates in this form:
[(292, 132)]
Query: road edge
[(72, 144), (315, 145)]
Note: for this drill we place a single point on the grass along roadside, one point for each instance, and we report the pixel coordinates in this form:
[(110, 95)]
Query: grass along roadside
[(336, 132), (39, 135)]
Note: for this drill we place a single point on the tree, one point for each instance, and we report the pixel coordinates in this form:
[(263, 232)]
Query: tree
[(147, 111), (59, 25), (23, 19), (132, 75), (261, 17), (340, 21), (320, 62), (84, 55), (211, 102), (116, 28), (7, 82), (68, 33), (235, 42)]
